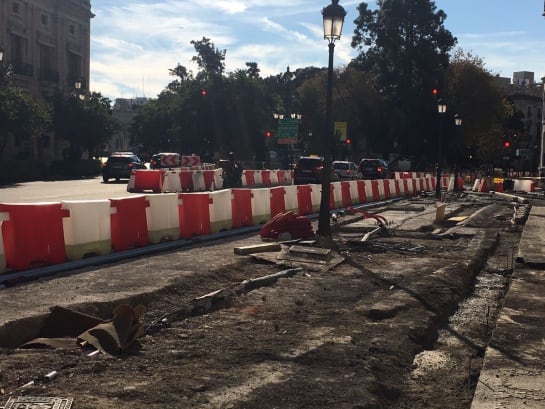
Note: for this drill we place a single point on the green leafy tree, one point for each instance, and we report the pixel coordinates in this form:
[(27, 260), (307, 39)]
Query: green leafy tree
[(405, 45), (86, 124), (21, 115), (210, 60)]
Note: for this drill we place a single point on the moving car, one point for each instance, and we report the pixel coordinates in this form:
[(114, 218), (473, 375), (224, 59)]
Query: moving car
[(120, 165), (308, 169), (373, 169), (165, 160), (346, 170)]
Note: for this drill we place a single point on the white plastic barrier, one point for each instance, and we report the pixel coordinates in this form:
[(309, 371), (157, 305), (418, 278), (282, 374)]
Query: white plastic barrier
[(291, 198), (524, 185), (87, 229), (261, 205), (162, 217), (221, 215), (258, 178), (274, 178), (336, 190), (218, 179), (172, 181), (198, 181), (316, 197), (3, 217), (354, 195)]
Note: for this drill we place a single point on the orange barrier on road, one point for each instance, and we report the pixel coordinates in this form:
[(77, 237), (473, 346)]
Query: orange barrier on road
[(241, 205), (346, 194), (194, 213), (186, 180), (128, 223), (209, 180), (375, 190), (266, 178), (362, 192), (278, 202), (248, 178), (162, 218), (304, 199), (3, 217), (398, 188), (147, 179), (387, 192), (33, 234)]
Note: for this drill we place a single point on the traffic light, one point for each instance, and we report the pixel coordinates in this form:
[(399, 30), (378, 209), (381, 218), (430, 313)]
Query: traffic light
[(348, 141), (203, 92), (506, 143), (268, 134), (435, 92)]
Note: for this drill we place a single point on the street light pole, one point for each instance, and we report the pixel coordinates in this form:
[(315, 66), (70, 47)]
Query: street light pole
[(441, 109), (458, 123), (333, 18)]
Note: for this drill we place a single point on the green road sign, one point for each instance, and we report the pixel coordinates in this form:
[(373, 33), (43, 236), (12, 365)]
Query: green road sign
[(287, 130)]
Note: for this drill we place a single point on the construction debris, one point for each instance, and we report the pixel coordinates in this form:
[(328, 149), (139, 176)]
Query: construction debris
[(287, 226)]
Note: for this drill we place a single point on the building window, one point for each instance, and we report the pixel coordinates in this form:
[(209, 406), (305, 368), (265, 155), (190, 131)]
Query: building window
[(72, 29), (74, 68), (44, 20), (16, 7)]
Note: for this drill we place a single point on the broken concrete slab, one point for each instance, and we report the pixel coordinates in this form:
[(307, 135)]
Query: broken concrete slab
[(257, 248)]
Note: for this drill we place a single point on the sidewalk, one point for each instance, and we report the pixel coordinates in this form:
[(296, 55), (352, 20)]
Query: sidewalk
[(513, 374)]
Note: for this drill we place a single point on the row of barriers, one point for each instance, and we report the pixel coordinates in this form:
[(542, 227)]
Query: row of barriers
[(38, 234), (186, 180)]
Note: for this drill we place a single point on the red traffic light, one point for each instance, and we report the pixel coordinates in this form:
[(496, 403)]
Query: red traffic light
[(268, 134), (203, 92), (348, 141), (506, 144), (435, 91)]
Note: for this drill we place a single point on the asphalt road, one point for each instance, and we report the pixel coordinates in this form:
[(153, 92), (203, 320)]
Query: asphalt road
[(55, 191)]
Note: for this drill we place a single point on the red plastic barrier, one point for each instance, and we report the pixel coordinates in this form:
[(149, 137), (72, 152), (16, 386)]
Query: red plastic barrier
[(406, 187), (186, 180), (148, 179), (250, 178), (194, 211), (304, 199), (375, 191), (266, 178), (241, 207), (33, 234), (386, 186), (346, 195), (278, 202), (128, 223), (209, 179), (397, 188), (362, 194), (281, 174)]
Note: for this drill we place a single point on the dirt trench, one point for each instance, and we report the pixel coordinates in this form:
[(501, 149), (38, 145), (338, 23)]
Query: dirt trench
[(393, 326)]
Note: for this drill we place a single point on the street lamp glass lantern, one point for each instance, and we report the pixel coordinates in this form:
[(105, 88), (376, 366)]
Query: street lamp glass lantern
[(77, 84), (441, 107), (1, 54), (333, 16), (457, 120)]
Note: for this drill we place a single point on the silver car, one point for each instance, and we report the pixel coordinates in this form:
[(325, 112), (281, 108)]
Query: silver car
[(346, 170)]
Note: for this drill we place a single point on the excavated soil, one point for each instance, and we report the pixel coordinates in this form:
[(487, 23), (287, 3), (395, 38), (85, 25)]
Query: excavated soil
[(399, 322)]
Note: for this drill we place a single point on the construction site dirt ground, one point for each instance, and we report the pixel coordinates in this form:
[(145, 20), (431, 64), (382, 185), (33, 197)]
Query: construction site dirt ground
[(399, 321)]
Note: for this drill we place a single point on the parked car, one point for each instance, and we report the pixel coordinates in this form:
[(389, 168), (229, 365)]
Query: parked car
[(308, 169), (346, 170), (165, 160), (120, 166), (373, 169)]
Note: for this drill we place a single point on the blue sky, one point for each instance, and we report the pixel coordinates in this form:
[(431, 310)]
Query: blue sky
[(134, 43)]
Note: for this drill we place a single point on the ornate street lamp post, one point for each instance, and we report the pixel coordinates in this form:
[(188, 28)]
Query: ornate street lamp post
[(333, 16), (458, 123), (441, 109)]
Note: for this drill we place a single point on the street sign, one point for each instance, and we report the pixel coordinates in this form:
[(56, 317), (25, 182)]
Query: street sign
[(170, 160), (341, 131), (524, 153), (287, 131), (190, 161)]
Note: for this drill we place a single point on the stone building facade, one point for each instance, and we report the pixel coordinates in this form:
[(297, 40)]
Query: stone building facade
[(47, 44)]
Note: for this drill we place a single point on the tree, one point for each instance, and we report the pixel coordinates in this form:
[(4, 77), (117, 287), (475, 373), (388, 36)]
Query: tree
[(404, 43), (471, 92), (86, 124), (21, 115), (210, 60)]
